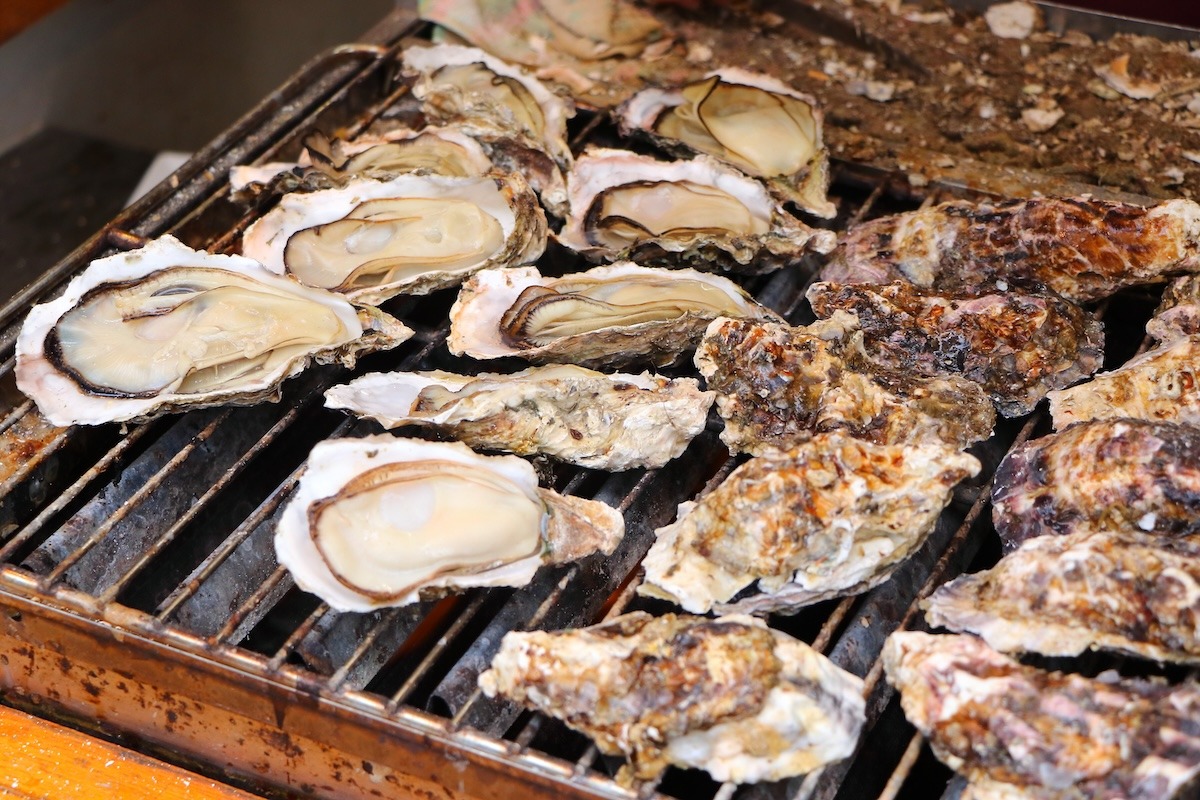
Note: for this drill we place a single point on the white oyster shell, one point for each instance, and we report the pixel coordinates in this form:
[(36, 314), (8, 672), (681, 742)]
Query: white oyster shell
[(64, 400), (415, 538), (483, 300), (539, 150), (504, 198), (611, 422), (804, 145), (767, 238)]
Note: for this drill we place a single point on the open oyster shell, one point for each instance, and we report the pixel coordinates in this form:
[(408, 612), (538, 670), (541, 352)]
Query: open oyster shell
[(607, 316), (612, 422), (521, 122), (755, 122), (165, 328), (433, 150), (383, 521), (371, 240), (698, 213)]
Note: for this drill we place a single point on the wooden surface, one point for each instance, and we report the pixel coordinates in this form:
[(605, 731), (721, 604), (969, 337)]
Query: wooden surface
[(47, 761), (16, 15)]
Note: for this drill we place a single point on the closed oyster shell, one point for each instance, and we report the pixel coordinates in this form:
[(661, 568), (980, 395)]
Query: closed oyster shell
[(755, 122), (612, 422), (486, 299), (489, 221), (459, 520), (727, 695), (210, 330), (698, 213), (831, 517)]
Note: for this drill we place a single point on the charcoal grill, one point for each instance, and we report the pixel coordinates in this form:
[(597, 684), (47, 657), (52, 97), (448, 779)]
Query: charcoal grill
[(141, 599)]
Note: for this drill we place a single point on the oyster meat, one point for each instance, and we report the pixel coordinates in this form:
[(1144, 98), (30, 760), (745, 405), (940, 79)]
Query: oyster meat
[(612, 422), (1021, 732), (608, 316), (1080, 248), (384, 521), (727, 695), (589, 48), (696, 213), (521, 123), (1016, 346), (1178, 314), (1134, 592), (1115, 474), (431, 150), (776, 385), (371, 240), (832, 517), (1160, 385), (165, 328), (755, 122)]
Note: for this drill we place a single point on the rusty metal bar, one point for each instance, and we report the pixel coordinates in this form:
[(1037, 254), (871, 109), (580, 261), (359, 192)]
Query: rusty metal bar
[(264, 590), (296, 635), (419, 672), (14, 415), (900, 774)]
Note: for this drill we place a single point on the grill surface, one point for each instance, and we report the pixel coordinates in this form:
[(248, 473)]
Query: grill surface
[(141, 597)]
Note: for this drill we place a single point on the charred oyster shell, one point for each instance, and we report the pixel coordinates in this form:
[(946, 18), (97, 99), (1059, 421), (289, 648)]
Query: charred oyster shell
[(383, 521), (608, 316), (165, 328), (832, 517), (755, 122), (727, 695), (612, 422), (696, 213), (371, 240)]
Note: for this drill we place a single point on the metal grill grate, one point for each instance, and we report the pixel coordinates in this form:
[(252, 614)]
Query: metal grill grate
[(142, 558)]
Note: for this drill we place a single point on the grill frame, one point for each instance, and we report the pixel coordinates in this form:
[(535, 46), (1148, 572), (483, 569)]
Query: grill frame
[(263, 716)]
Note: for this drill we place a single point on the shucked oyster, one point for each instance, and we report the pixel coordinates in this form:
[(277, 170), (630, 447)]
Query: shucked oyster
[(166, 327), (612, 422), (755, 122), (832, 517), (412, 234), (521, 122), (727, 695), (439, 151), (607, 316), (383, 521), (696, 213)]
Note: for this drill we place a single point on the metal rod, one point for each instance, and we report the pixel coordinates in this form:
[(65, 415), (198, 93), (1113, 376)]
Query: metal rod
[(304, 629), (15, 415), (250, 603), (419, 672), (73, 491), (900, 774), (832, 623), (145, 489), (338, 678)]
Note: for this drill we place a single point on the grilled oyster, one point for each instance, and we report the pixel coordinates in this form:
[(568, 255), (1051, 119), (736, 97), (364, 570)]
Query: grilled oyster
[(831, 517), (696, 213), (607, 316), (777, 385), (755, 122), (1178, 314), (412, 234), (1080, 248), (522, 124), (1016, 346), (431, 150), (1159, 385), (727, 695), (1116, 474), (612, 422), (1134, 592), (1023, 732), (165, 328), (383, 521), (589, 48)]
